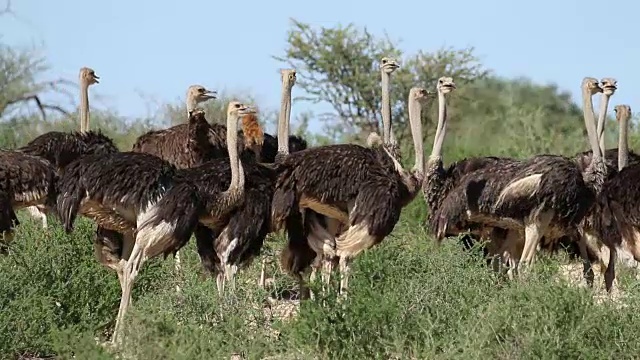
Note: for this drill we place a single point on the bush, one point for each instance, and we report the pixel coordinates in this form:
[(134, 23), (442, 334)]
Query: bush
[(51, 283), (408, 299)]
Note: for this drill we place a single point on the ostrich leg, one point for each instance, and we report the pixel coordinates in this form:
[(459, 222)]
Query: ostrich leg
[(178, 269)]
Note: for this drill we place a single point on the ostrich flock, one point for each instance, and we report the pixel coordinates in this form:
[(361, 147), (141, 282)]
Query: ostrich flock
[(230, 188)]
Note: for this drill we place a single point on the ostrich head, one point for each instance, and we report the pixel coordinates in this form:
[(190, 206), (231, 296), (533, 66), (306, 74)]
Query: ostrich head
[(88, 76), (591, 85), (288, 77), (197, 94), (238, 110), (445, 85), (623, 112), (389, 64), (609, 86), (420, 95)]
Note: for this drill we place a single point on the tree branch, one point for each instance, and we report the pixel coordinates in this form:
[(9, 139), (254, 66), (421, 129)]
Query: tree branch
[(41, 106)]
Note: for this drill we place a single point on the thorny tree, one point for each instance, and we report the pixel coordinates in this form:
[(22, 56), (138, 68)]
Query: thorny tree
[(340, 67)]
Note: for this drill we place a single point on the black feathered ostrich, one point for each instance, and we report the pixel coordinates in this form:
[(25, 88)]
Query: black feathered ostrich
[(230, 244), (440, 183), (122, 193), (28, 174), (446, 225), (314, 233), (594, 176), (614, 220), (363, 187), (60, 148), (319, 230), (542, 196), (169, 144), (25, 180)]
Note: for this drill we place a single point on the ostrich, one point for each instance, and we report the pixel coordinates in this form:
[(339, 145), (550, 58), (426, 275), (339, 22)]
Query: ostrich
[(440, 182), (542, 196), (232, 243), (614, 219), (60, 148), (169, 144), (322, 230), (25, 180), (442, 225), (122, 192), (363, 187)]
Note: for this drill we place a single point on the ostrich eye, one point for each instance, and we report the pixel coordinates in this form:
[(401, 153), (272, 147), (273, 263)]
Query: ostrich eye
[(237, 106), (384, 61)]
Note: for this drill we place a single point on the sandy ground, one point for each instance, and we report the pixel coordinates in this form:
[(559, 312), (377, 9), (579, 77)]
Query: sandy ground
[(572, 274)]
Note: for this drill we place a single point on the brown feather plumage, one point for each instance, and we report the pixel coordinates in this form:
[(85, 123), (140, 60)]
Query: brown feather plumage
[(253, 134)]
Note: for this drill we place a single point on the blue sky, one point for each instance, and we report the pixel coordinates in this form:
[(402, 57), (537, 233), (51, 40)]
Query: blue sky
[(147, 46)]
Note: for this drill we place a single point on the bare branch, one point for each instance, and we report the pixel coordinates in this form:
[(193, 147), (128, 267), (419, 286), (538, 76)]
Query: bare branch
[(41, 106)]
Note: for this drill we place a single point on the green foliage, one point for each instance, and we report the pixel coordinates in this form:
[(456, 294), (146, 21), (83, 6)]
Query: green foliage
[(408, 299), (340, 66), (51, 283)]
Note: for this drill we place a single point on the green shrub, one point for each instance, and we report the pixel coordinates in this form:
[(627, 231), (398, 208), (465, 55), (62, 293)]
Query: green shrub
[(409, 298)]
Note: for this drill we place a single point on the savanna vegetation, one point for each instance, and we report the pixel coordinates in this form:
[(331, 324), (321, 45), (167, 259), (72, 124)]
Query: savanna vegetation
[(409, 298)]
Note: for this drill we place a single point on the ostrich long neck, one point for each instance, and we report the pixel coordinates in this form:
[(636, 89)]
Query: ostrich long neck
[(623, 143), (234, 194), (386, 107), (589, 123), (602, 116), (284, 119), (435, 185), (84, 107), (597, 171), (191, 103), (415, 111), (436, 152)]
